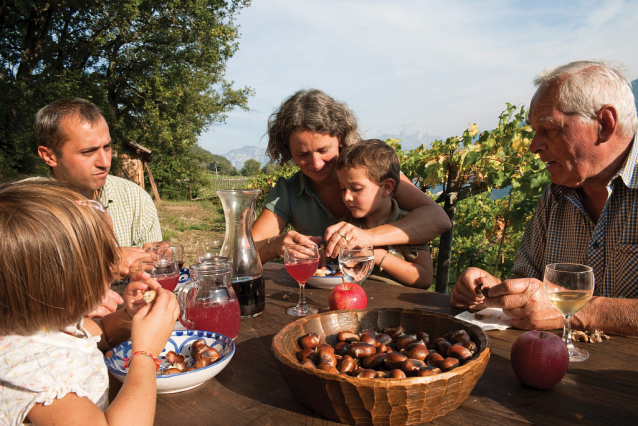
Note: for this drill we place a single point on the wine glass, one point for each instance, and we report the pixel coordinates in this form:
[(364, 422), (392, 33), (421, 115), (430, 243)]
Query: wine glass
[(569, 287), (163, 269), (208, 249), (301, 262), (167, 250), (356, 263)]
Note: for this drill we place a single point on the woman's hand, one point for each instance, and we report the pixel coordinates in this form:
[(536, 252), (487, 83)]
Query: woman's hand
[(343, 234), (277, 244), (154, 322)]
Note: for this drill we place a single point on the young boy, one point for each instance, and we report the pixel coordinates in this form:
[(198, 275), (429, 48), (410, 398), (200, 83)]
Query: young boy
[(369, 173)]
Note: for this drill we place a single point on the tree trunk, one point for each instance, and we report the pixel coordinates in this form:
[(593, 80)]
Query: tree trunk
[(445, 247)]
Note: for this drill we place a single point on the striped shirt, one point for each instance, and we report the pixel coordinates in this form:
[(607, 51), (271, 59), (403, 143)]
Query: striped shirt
[(561, 231), (132, 210)]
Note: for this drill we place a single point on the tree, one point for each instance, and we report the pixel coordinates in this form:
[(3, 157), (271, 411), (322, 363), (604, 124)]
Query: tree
[(269, 168), (155, 68), (251, 168)]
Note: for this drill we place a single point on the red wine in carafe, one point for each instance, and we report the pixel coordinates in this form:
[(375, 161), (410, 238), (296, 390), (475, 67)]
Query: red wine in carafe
[(251, 293)]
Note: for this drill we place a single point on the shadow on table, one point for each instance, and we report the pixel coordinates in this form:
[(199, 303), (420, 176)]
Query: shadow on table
[(262, 382), (577, 399)]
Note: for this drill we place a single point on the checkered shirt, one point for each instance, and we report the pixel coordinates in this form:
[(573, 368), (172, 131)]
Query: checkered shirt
[(562, 232), (134, 216)]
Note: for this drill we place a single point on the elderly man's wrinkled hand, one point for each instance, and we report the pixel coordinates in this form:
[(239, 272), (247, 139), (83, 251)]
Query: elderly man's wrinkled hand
[(465, 294), (129, 257), (524, 300)]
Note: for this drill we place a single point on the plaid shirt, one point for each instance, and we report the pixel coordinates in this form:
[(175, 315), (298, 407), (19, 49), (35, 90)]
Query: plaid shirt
[(134, 216), (561, 231)]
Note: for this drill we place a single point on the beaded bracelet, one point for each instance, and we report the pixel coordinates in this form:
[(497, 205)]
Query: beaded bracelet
[(148, 354)]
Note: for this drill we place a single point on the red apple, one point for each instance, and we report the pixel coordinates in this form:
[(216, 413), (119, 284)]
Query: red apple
[(347, 296), (539, 359)]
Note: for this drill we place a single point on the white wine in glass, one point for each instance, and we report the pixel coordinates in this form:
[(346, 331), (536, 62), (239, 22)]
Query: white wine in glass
[(569, 286)]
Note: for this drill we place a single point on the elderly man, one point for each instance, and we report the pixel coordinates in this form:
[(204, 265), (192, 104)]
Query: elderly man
[(585, 120), (74, 140)]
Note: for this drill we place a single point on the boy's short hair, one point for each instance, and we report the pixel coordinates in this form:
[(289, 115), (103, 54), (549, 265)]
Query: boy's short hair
[(56, 254), (374, 155)]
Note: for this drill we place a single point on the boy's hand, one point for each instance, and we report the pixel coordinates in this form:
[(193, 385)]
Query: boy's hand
[(345, 234)]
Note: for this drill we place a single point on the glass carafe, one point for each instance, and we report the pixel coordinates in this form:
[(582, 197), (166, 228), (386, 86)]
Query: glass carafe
[(208, 302), (248, 279)]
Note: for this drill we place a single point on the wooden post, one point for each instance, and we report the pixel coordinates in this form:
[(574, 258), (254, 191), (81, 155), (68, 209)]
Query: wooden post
[(152, 181), (445, 246)]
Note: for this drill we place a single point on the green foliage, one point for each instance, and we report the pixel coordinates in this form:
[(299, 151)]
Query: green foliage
[(155, 68), (475, 164), (213, 162), (267, 182), (269, 168), (251, 168)]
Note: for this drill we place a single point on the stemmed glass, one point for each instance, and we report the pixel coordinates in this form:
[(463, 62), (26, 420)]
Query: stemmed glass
[(356, 263), (166, 250), (163, 269), (208, 249), (301, 262), (569, 287)]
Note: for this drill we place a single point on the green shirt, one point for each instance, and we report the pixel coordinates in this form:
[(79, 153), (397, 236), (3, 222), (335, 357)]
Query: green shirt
[(132, 210), (295, 201)]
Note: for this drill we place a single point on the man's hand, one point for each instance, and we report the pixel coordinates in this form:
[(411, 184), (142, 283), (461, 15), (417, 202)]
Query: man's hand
[(128, 260), (109, 304), (464, 295), (524, 300)]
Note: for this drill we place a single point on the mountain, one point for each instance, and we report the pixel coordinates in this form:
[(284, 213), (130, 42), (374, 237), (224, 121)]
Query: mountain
[(240, 155), (412, 141)]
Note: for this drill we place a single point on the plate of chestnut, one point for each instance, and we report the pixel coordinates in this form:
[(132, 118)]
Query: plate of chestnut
[(189, 358)]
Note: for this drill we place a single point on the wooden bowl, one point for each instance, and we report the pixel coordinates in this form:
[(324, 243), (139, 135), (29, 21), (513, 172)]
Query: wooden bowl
[(362, 401)]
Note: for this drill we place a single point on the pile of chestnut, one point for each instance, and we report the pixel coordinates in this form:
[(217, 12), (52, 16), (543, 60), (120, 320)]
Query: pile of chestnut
[(201, 354), (388, 354)]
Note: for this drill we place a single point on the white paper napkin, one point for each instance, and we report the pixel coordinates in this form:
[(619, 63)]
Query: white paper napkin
[(487, 319)]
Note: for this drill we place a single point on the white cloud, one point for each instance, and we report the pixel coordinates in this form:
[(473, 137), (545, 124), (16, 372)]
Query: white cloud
[(414, 65)]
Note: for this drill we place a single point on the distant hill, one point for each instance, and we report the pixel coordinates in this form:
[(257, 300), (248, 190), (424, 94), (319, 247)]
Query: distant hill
[(412, 141), (240, 155)]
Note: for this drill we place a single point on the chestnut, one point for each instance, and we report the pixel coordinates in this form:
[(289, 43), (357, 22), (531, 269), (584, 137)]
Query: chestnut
[(459, 352), (397, 374), (174, 358), (416, 351), (306, 354), (374, 361), (197, 346), (394, 360), (423, 337), (383, 338), (405, 340), (171, 371), (347, 336), (328, 368), (326, 357), (210, 353), (341, 348), (309, 341), (381, 348), (459, 336), (434, 360), (394, 332), (369, 339), (361, 350), (471, 346), (308, 363), (347, 364), (449, 364), (202, 362), (410, 366), (443, 347), (427, 371), (368, 374), (325, 347)]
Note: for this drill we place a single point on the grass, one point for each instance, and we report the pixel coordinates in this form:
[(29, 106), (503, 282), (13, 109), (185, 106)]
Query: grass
[(186, 222)]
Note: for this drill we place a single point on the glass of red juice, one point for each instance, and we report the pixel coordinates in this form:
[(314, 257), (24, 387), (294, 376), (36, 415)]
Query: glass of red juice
[(208, 302), (301, 262), (163, 269), (167, 250)]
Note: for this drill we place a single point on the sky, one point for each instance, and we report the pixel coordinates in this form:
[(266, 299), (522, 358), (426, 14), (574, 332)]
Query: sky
[(413, 65)]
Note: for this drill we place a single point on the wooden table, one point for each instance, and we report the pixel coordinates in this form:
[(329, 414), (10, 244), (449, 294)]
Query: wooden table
[(252, 391)]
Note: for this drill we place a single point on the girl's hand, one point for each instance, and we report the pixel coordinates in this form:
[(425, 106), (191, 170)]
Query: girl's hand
[(154, 322), (345, 234), (140, 282)]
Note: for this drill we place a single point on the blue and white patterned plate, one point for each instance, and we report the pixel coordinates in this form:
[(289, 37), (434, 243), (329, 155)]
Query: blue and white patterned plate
[(329, 281), (180, 342)]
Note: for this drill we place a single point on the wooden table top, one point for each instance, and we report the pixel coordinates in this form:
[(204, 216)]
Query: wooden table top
[(251, 390)]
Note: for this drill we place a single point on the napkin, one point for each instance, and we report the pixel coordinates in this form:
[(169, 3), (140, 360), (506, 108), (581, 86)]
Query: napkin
[(489, 319)]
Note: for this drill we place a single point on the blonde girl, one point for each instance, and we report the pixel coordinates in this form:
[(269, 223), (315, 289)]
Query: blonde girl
[(57, 257)]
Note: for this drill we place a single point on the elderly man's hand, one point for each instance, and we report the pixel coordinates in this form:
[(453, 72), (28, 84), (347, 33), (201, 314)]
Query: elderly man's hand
[(524, 300), (464, 294), (128, 260), (109, 304)]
